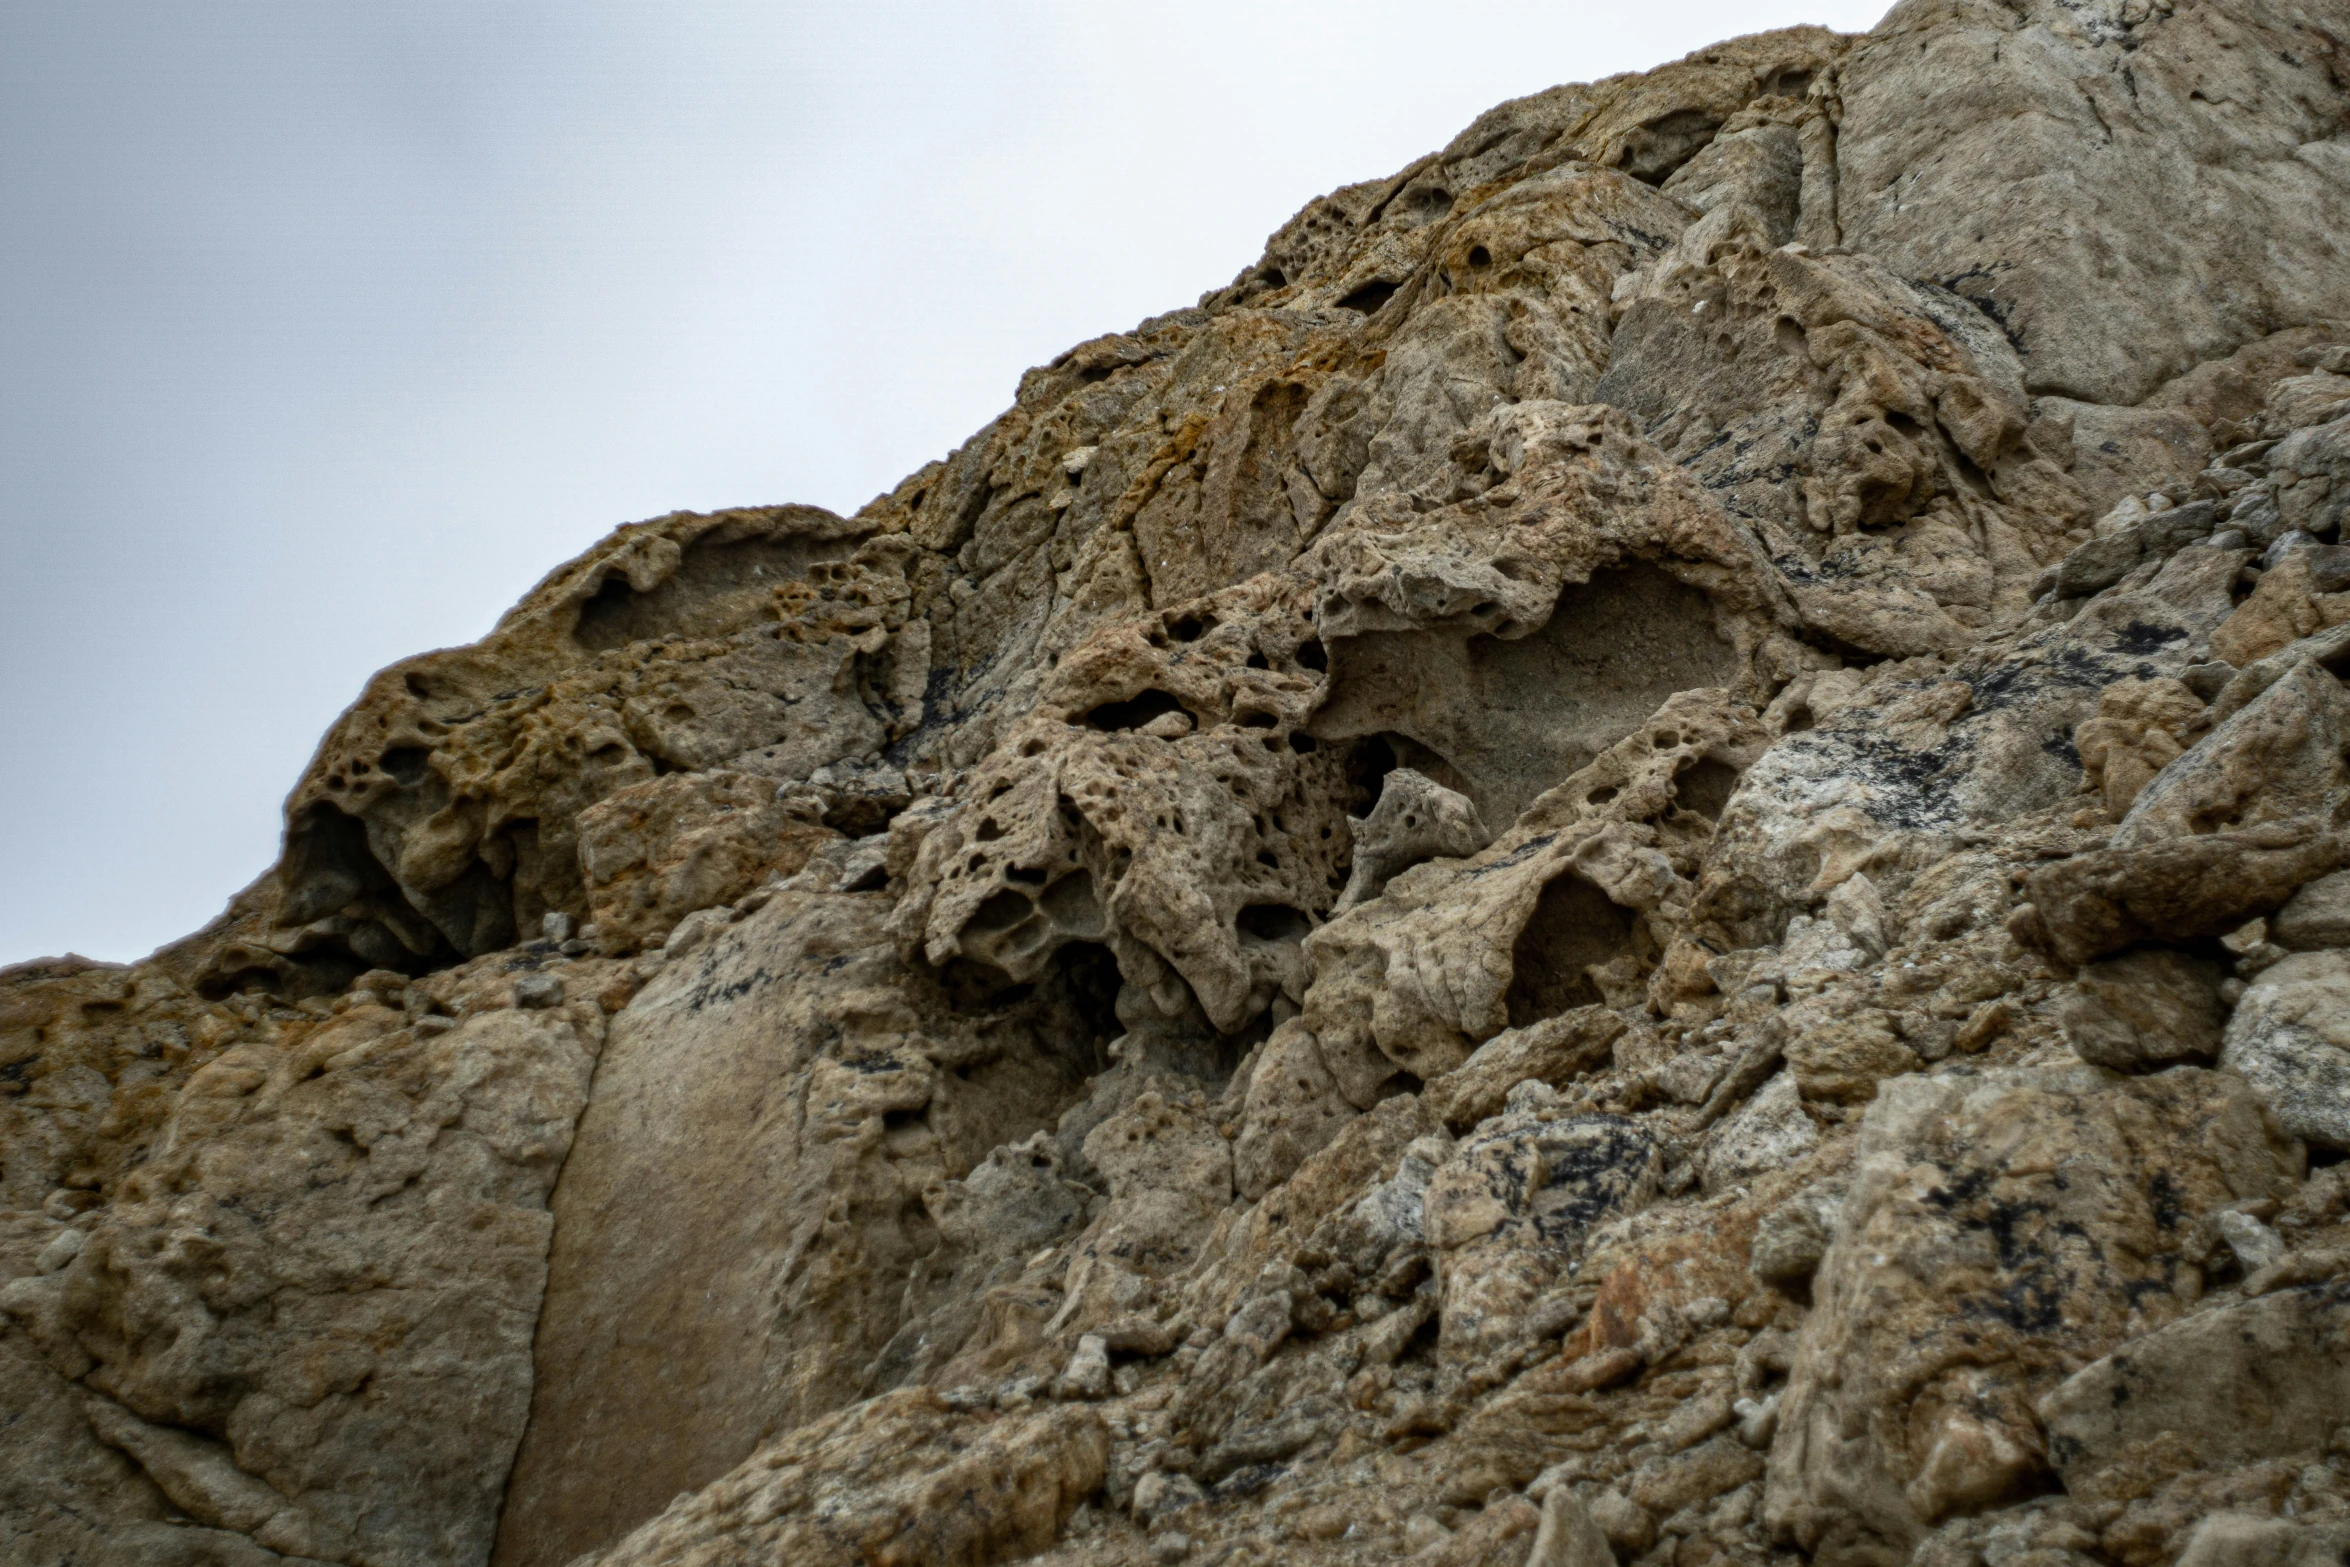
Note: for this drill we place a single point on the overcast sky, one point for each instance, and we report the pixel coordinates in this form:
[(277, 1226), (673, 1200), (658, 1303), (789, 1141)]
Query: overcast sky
[(326, 329)]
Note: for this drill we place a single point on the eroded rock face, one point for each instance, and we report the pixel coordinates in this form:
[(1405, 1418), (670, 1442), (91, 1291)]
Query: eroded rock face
[(1637, 857), (306, 1317), (810, 1181)]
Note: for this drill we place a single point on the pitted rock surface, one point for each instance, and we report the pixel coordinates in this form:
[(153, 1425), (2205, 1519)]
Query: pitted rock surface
[(1638, 857)]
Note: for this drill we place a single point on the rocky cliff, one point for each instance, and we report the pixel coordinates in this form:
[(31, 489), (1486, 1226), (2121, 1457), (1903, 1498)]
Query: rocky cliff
[(1640, 856)]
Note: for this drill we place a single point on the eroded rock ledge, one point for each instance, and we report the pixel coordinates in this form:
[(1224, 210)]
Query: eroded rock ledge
[(1644, 855)]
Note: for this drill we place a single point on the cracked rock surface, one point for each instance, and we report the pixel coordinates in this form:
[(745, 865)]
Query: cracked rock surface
[(1641, 856)]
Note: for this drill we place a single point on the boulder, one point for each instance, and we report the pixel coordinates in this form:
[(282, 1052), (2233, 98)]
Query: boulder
[(1506, 1211), (1769, 1132), (2001, 1231), (2316, 917), (2144, 1010), (2179, 890), (2290, 1039), (2251, 1380)]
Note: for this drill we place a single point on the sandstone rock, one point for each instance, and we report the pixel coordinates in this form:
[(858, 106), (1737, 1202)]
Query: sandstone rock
[(2144, 1010), (2241, 1539), (1792, 1241), (901, 1479), (2022, 102), (2316, 917), (2264, 1378), (2111, 556), (1579, 896), (717, 1187), (1415, 820), (2256, 1245), (2276, 758), (656, 852), (1568, 1537), (2141, 727), (1552, 1051), (2000, 1232), (2290, 1039), (1769, 1133), (1088, 1373), (1505, 1211), (2181, 890), (324, 1232), (1299, 937), (442, 813)]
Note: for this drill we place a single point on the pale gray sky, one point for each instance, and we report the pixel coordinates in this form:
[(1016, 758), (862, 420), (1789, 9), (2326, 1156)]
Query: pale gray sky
[(327, 328)]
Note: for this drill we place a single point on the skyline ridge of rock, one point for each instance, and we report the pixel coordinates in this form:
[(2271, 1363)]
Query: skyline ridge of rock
[(1639, 856)]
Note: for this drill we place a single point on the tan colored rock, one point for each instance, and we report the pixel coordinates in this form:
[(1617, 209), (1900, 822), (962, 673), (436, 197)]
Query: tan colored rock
[(2257, 1379), (1554, 1052), (1769, 1132), (1845, 1060), (1951, 104), (1506, 1211), (2240, 1539), (1581, 895), (2001, 1232), (2285, 607), (901, 1480), (2141, 727), (2144, 1011), (1335, 883), (658, 851), (2182, 889), (439, 818), (1568, 1536), (2278, 757), (274, 1302), (95, 1056), (2316, 917), (715, 1190), (1415, 819)]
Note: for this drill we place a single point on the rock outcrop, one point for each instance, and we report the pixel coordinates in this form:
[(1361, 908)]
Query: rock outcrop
[(1640, 856)]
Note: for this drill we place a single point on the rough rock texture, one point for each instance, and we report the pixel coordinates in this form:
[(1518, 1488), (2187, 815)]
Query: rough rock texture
[(2290, 1038), (1638, 857)]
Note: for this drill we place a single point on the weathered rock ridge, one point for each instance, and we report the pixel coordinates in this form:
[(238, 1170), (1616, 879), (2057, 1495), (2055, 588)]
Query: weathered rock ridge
[(1644, 855)]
